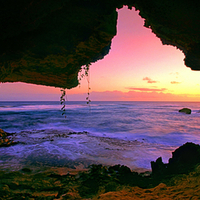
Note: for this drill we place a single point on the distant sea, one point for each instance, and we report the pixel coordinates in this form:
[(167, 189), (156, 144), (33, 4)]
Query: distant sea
[(108, 133)]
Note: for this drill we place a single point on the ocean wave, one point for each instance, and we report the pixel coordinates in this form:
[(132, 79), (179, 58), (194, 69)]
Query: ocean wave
[(156, 127)]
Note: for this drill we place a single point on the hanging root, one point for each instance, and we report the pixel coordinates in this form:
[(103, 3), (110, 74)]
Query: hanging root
[(87, 74), (84, 72), (62, 101)]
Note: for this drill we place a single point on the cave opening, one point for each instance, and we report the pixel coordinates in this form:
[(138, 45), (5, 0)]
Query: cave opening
[(139, 62), (137, 91)]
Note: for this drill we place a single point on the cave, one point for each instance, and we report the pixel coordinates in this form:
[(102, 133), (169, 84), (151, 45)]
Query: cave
[(45, 155), (47, 42)]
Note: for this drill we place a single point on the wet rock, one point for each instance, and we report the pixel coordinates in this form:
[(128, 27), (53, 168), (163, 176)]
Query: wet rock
[(185, 110), (4, 140), (3, 134), (78, 133)]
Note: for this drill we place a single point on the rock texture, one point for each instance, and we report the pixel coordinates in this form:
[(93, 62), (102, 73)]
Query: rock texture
[(46, 42), (5, 141), (185, 110), (184, 160)]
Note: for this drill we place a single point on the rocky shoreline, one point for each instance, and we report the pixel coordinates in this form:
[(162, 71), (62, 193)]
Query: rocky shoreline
[(102, 182), (184, 158), (6, 139), (105, 183), (69, 149)]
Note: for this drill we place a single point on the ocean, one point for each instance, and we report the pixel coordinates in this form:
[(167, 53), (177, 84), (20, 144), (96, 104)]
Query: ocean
[(108, 133)]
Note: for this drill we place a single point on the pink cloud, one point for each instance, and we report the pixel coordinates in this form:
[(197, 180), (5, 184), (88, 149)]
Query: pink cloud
[(175, 82), (149, 80), (133, 96), (147, 89)]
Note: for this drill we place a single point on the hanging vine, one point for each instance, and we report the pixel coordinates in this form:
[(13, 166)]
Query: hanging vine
[(62, 101), (84, 72)]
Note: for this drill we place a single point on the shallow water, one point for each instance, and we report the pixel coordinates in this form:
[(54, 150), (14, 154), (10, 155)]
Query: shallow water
[(129, 133)]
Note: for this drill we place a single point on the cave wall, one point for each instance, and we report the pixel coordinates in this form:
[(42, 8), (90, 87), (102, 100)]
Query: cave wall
[(176, 23), (46, 41)]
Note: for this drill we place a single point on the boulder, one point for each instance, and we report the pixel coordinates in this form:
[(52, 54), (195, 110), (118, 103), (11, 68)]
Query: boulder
[(185, 110), (3, 134), (184, 160), (4, 140), (158, 167)]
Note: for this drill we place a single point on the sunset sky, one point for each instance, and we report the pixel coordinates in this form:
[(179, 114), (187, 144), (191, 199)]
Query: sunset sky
[(138, 68)]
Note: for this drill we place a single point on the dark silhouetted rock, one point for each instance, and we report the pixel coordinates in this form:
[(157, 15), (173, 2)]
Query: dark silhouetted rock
[(3, 134), (184, 159), (185, 110), (4, 140), (158, 167)]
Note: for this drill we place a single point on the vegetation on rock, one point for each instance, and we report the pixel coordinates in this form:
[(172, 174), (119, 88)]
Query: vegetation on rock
[(100, 182)]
